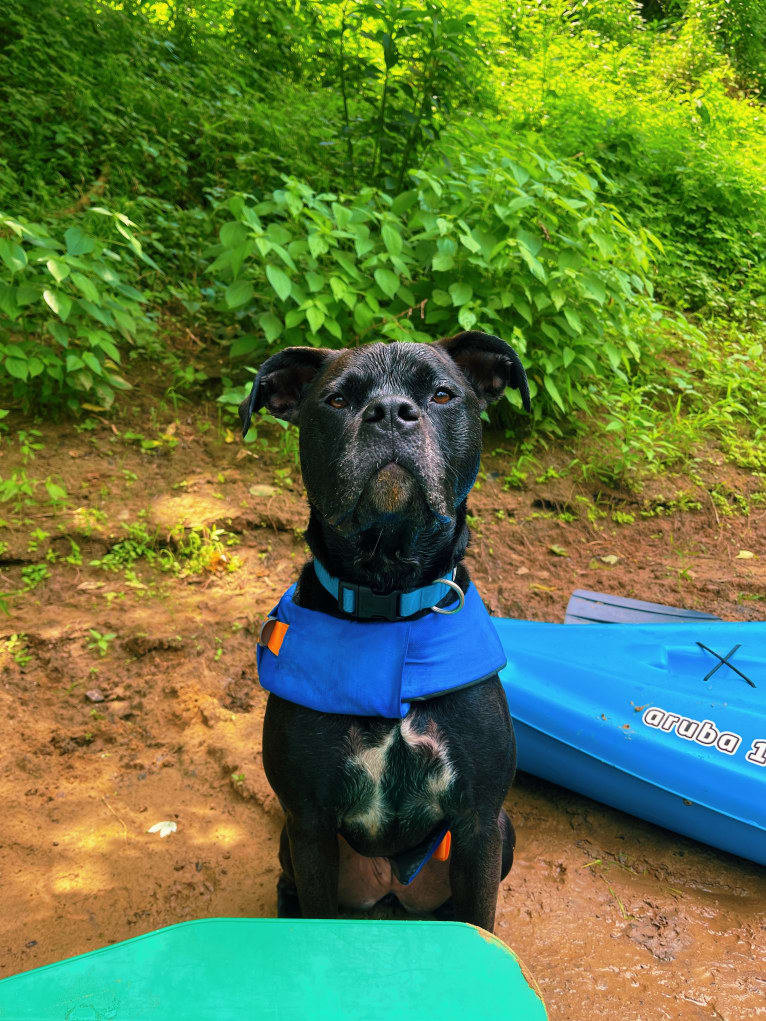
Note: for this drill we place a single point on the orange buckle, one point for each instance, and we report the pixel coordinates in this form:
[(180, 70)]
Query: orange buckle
[(272, 634), (442, 851)]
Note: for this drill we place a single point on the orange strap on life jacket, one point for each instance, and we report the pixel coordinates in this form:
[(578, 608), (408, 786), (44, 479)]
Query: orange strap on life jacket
[(442, 851), (273, 634)]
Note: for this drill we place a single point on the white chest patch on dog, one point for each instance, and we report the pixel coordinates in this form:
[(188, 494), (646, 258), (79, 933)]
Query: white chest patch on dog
[(405, 774)]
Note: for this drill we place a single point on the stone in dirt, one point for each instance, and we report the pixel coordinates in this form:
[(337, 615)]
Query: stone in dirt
[(94, 695), (120, 709), (190, 510)]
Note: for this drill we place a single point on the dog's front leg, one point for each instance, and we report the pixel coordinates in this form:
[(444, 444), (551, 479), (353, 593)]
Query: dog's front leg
[(315, 860), (475, 872)]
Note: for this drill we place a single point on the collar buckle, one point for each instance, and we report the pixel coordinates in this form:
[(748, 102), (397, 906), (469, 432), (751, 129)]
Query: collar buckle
[(368, 604)]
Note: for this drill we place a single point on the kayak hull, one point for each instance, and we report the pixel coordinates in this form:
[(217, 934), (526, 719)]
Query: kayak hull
[(627, 715)]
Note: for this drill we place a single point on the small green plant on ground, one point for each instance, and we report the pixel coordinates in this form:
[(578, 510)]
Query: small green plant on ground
[(33, 575), (99, 642), (16, 647)]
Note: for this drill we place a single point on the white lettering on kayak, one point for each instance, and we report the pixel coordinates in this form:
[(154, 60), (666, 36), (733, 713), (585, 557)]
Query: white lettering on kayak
[(704, 732)]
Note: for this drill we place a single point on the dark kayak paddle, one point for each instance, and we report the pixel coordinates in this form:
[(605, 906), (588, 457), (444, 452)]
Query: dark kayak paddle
[(600, 608)]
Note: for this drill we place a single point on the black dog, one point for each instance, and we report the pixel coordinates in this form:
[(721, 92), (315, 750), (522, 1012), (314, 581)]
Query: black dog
[(390, 442)]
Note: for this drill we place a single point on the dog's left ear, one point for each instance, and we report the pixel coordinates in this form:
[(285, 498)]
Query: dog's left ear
[(489, 364), (281, 381)]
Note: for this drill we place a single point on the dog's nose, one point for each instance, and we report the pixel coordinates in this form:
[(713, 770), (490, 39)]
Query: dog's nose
[(391, 413)]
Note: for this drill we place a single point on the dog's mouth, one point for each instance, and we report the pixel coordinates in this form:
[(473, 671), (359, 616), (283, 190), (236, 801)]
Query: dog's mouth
[(390, 490)]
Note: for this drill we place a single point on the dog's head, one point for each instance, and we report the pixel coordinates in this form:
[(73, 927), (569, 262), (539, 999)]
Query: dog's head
[(388, 431)]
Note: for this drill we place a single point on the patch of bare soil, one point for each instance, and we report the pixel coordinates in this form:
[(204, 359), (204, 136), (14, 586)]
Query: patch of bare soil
[(614, 917)]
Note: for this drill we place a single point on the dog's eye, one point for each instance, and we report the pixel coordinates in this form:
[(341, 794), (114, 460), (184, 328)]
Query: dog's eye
[(337, 401), (442, 397)]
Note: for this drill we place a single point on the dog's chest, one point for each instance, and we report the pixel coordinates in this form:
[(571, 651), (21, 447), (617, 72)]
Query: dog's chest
[(399, 778)]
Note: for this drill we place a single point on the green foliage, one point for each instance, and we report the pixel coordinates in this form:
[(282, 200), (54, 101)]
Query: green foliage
[(63, 310), (403, 68), (99, 642), (516, 246), (124, 99), (503, 166), (658, 110), (738, 28)]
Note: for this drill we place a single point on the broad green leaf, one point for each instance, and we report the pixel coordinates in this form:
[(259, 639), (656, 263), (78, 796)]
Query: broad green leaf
[(594, 289), (13, 255), (58, 331), (27, 293), (315, 316), (317, 244), (573, 319), (332, 326), (442, 262), (279, 280), (57, 269), (60, 303), (78, 243), (238, 293), (468, 242), (294, 317), (232, 234), (387, 281), (532, 243), (17, 368), (92, 362), (55, 492), (461, 293), (466, 318), (245, 345), (8, 301), (124, 321), (74, 363), (392, 239), (271, 326), (613, 355), (550, 386), (535, 266), (87, 287)]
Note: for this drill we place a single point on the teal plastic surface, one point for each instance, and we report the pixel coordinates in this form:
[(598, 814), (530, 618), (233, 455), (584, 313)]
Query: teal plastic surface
[(235, 969)]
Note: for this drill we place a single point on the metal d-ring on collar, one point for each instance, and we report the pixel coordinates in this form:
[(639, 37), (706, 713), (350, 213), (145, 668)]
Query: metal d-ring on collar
[(361, 602), (460, 595)]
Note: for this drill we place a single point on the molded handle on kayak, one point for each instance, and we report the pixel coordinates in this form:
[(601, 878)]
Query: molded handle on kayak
[(694, 662)]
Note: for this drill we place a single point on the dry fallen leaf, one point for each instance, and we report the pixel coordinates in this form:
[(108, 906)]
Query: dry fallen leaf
[(745, 554), (610, 559), (163, 828)]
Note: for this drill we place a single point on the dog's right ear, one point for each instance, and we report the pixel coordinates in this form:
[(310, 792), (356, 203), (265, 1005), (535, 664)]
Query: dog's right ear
[(281, 381)]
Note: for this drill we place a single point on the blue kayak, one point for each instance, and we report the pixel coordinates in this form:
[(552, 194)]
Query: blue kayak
[(665, 721)]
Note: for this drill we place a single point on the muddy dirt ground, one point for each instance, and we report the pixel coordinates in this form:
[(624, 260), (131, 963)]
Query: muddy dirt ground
[(614, 917)]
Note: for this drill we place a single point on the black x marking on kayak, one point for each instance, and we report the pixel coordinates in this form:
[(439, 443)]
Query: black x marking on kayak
[(724, 659)]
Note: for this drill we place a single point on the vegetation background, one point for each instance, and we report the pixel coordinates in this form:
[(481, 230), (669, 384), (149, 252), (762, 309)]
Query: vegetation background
[(586, 178)]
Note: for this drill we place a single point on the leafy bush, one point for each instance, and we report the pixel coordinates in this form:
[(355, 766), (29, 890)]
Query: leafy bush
[(516, 246), (63, 310), (110, 102), (403, 67), (682, 150)]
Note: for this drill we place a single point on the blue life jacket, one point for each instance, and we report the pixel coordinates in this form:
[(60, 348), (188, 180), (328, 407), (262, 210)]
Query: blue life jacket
[(378, 668)]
